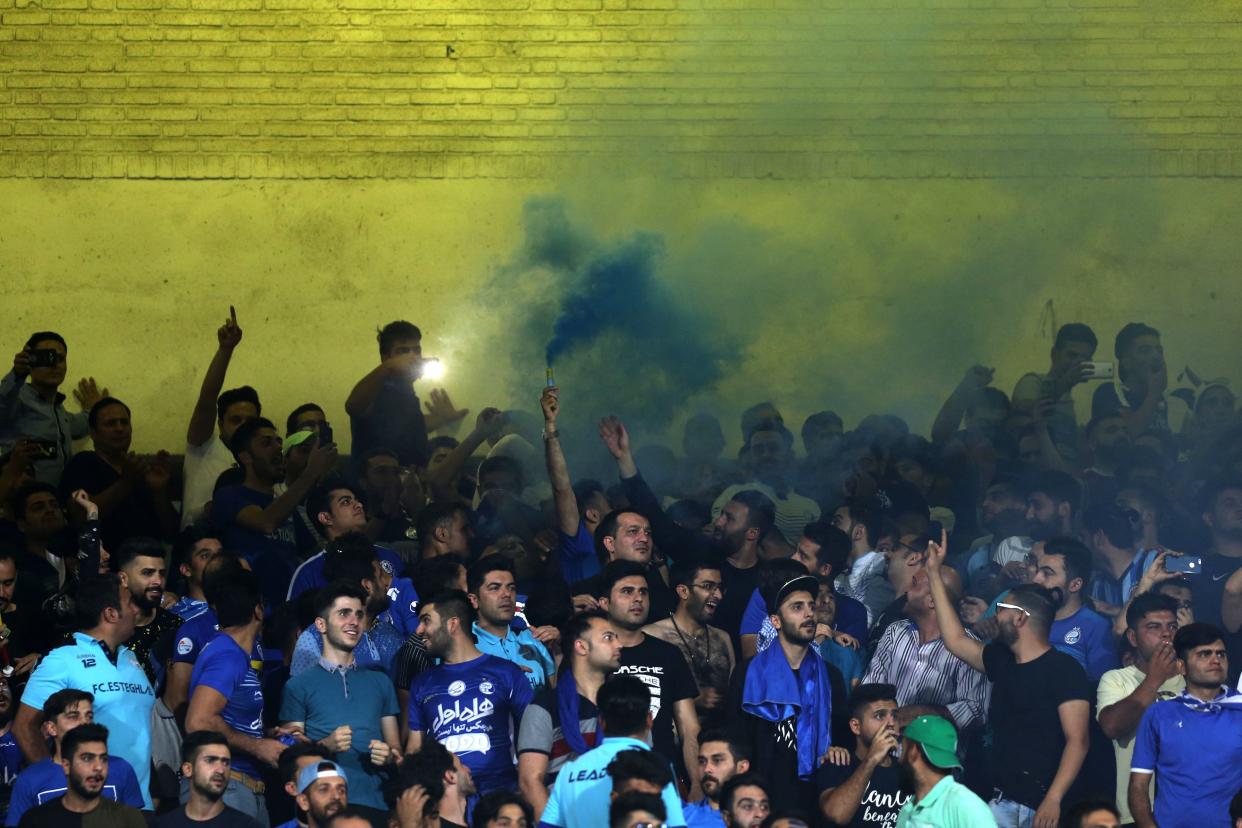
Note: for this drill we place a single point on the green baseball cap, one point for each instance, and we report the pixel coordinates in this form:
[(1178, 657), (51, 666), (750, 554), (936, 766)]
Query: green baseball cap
[(297, 438), (938, 739)]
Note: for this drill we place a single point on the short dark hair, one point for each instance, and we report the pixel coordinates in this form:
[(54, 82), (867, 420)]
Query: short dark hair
[(624, 703), (395, 332), (80, 735), (43, 336), (432, 575), (1088, 430), (608, 527), (234, 597), (749, 779), (1112, 520), (489, 805), (577, 627), (196, 740), (62, 700), (834, 545), (760, 510), (625, 804), (24, 492), (738, 747), (292, 420), (320, 498), (92, 418), (1129, 333), (1147, 603), (327, 596), (351, 557), (501, 463), (686, 570), (818, 420), (1036, 600), (477, 572), (452, 603), (768, 424), (427, 768), (1059, 486), (1075, 332), (245, 433), (233, 396), (189, 538), (1074, 816), (1195, 635), (348, 812), (775, 573), (287, 764), (868, 512), (136, 547), (433, 516), (865, 695), (614, 571), (95, 594), (642, 765), (1077, 558)]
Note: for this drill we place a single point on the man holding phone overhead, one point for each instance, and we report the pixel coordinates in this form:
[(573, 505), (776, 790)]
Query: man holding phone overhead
[(35, 410)]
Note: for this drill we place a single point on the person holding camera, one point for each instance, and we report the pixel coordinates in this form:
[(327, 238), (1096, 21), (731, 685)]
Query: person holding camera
[(35, 409)]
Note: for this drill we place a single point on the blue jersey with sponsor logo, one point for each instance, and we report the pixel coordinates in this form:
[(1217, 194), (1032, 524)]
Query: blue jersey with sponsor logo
[(474, 709), (11, 762), (225, 667), (193, 635), (309, 575), (123, 697), (188, 608)]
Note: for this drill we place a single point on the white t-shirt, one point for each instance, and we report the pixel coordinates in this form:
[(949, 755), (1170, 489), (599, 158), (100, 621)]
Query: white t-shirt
[(203, 464), (1116, 685)]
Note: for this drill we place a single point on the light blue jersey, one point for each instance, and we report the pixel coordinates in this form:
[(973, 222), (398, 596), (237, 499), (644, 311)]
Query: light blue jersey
[(583, 790), (123, 697)]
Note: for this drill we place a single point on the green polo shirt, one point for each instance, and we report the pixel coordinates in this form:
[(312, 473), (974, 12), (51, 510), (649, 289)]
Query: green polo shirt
[(947, 805)]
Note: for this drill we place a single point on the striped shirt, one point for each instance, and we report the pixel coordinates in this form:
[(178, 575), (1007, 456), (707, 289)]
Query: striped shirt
[(1116, 591), (929, 674)]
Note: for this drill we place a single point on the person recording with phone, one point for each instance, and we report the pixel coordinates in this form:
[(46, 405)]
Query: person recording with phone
[(870, 775), (1069, 366), (32, 407)]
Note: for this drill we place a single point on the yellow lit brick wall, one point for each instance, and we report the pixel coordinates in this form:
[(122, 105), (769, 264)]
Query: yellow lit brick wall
[(797, 89)]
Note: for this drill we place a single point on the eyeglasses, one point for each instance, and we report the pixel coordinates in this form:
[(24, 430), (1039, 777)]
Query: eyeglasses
[(649, 825), (1022, 610), (710, 586)]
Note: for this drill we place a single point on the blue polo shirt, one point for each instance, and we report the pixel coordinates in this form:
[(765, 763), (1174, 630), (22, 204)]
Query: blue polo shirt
[(225, 667), (45, 780), (123, 697), (701, 814), (583, 789), (523, 649), (326, 697), (1195, 750)]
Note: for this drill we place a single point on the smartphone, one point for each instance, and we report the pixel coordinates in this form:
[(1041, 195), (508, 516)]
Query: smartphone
[(43, 357), (47, 448), (1185, 564), (325, 433), (1098, 371)]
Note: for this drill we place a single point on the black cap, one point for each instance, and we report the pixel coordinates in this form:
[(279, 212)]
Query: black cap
[(802, 583)]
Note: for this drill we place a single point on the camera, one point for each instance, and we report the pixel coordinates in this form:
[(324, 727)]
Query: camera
[(44, 357), (47, 449), (1098, 371)]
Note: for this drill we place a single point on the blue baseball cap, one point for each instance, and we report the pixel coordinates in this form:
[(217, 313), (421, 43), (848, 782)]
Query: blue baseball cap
[(319, 770)]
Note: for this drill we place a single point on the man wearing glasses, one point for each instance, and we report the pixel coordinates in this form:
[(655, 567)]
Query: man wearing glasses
[(1039, 710), (708, 650)]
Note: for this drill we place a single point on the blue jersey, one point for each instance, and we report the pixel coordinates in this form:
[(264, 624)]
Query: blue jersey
[(474, 709), (188, 608), (45, 780), (309, 575), (11, 762), (701, 814), (583, 789), (225, 668), (123, 697), (403, 607), (193, 635), (1087, 636)]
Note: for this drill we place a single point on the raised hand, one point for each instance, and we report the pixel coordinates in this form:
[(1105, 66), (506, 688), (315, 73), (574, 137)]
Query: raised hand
[(157, 472), (230, 333), (616, 438), (882, 745), (937, 552), (339, 740), (87, 393), (550, 402), (441, 408), (412, 807), (381, 753), (976, 377), (21, 364), (489, 422)]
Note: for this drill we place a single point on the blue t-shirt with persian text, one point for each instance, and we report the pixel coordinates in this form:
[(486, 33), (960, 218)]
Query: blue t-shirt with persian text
[(225, 667), (473, 709)]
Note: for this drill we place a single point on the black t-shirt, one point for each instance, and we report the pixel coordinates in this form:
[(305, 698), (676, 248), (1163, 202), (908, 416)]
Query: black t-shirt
[(153, 645), (228, 818), (664, 670), (107, 814), (881, 801), (739, 586), (132, 517), (1025, 722)]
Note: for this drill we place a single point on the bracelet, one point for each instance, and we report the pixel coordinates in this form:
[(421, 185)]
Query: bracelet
[(550, 435)]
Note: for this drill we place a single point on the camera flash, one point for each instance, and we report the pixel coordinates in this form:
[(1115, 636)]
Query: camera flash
[(433, 369)]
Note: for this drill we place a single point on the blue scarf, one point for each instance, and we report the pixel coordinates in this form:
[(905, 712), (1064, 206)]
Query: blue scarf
[(567, 708), (772, 693), (1227, 700)]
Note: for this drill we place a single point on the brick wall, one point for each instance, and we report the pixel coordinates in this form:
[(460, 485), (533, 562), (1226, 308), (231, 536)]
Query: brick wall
[(690, 88)]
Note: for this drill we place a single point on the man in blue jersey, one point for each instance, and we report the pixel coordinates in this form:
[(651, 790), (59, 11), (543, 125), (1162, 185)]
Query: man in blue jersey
[(721, 757), (583, 789), (11, 759), (97, 661), (472, 703), (226, 695), (195, 547), (1064, 567), (45, 780), (492, 585)]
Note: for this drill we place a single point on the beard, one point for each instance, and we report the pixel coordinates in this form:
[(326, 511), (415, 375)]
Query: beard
[(1007, 634), (905, 778), (144, 602)]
